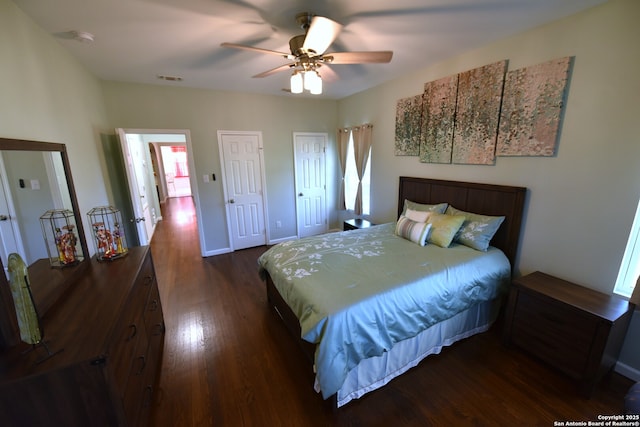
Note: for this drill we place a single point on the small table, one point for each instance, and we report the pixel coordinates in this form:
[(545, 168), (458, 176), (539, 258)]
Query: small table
[(575, 329), (356, 223)]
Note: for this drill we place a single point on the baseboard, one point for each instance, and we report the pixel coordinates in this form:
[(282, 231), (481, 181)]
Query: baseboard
[(283, 239), (627, 371), (216, 252)]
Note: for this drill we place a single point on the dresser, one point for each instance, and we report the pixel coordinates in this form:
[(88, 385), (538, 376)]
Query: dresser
[(109, 330), (575, 329)]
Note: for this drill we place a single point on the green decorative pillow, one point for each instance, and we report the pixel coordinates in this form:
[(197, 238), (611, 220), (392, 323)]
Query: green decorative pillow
[(417, 232), (477, 230), (439, 208), (444, 228)]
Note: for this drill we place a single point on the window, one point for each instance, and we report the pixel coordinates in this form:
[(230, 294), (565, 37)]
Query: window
[(351, 181), (630, 267)]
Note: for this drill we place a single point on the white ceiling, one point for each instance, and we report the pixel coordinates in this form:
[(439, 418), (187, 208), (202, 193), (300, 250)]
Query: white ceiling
[(137, 40)]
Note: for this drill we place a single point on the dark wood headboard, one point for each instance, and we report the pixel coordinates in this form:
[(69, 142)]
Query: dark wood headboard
[(484, 199)]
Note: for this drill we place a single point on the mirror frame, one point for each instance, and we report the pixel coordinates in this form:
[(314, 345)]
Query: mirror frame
[(48, 284)]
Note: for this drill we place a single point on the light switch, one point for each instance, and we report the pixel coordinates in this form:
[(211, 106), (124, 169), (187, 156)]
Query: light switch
[(35, 184), (205, 177)]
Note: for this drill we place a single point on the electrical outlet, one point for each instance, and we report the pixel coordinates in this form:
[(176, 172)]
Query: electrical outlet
[(278, 224)]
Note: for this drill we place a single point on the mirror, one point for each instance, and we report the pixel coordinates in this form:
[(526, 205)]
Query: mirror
[(35, 177)]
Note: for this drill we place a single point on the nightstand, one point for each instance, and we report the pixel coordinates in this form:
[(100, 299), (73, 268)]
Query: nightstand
[(356, 223), (575, 329)]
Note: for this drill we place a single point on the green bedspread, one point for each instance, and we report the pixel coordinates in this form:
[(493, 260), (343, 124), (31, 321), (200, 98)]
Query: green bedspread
[(357, 293)]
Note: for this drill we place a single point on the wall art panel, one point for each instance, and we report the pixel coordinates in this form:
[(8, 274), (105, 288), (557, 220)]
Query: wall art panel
[(477, 114), (532, 109), (408, 126), (438, 119)]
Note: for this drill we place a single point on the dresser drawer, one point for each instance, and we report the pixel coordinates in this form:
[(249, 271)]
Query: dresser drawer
[(131, 334), (153, 318)]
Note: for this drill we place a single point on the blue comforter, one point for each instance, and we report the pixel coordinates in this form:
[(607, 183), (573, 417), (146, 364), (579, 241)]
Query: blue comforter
[(357, 293)]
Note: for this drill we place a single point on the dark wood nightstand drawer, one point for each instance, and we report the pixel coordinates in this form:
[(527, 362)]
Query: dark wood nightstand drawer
[(559, 337), (556, 321)]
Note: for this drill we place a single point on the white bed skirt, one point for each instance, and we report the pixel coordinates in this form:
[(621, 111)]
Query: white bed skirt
[(375, 372)]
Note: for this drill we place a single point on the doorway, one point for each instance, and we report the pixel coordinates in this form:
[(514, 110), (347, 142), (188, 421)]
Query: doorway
[(151, 142), (243, 184), (175, 169)]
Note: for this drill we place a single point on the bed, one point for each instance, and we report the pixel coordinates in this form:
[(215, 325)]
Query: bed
[(367, 305)]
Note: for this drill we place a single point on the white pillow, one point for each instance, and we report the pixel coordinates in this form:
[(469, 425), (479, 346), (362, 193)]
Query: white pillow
[(417, 232), (417, 216)]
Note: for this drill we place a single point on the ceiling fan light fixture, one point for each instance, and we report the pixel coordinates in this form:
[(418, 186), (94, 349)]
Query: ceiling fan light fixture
[(296, 82), (308, 80), (316, 87)]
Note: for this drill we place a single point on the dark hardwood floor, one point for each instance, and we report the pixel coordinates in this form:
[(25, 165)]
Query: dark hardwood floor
[(229, 361)]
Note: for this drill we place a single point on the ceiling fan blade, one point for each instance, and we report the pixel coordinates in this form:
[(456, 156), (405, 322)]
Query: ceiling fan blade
[(327, 74), (274, 70), (322, 32), (373, 57), (257, 49)]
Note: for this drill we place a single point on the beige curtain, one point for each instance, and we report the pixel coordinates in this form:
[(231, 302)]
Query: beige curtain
[(635, 296), (343, 144), (361, 149)]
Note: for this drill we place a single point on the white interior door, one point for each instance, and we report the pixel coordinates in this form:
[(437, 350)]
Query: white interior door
[(136, 165), (311, 182), (10, 241), (243, 172)]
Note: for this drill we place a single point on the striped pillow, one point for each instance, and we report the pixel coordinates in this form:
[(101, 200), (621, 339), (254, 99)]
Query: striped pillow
[(417, 232)]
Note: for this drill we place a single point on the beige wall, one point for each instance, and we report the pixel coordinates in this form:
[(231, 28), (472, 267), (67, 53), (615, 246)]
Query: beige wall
[(46, 95), (204, 112)]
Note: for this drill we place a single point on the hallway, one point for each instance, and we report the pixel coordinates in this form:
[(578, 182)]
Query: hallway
[(229, 361)]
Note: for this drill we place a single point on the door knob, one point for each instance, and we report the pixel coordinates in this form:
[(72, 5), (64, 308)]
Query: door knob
[(300, 194), (137, 220), (231, 201), (3, 217)]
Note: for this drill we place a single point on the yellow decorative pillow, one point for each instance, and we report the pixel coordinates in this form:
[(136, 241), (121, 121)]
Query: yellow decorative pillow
[(444, 228)]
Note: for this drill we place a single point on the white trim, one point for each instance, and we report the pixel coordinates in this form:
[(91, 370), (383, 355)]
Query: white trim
[(15, 229), (630, 265), (627, 371), (282, 239), (217, 252)]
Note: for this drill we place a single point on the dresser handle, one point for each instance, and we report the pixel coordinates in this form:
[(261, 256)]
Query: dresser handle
[(134, 332), (142, 359), (148, 280), (148, 392), (158, 329), (153, 305)]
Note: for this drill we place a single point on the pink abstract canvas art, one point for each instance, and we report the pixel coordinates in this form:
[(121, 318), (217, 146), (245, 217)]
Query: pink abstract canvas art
[(532, 109)]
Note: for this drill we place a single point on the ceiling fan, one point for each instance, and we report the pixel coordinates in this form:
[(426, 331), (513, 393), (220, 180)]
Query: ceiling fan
[(308, 53)]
